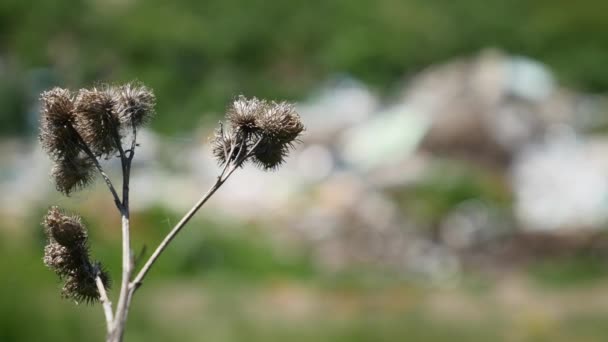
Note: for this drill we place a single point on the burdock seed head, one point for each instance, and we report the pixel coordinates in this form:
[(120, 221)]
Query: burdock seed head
[(57, 134), (96, 120), (280, 126), (243, 114), (72, 174), (67, 254), (61, 259), (228, 145), (67, 230), (270, 154), (81, 286), (134, 104), (281, 122), (261, 131)]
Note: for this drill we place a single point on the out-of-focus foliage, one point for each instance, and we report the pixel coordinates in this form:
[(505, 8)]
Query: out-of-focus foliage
[(198, 54), (212, 287), (218, 282)]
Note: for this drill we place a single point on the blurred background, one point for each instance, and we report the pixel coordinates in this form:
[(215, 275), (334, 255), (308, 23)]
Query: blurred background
[(452, 183)]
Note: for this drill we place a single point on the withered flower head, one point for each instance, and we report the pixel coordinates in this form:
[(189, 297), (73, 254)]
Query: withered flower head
[(134, 104), (244, 113), (261, 131), (96, 120), (65, 229), (67, 254), (280, 126), (225, 143), (57, 134), (81, 286), (61, 259), (281, 122), (72, 174), (270, 154)]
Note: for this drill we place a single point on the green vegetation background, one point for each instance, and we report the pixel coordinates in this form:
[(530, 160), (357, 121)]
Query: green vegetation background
[(198, 54), (230, 283)]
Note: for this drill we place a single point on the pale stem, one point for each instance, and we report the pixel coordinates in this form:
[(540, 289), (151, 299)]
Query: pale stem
[(178, 227), (122, 307), (228, 169), (128, 288), (105, 302)]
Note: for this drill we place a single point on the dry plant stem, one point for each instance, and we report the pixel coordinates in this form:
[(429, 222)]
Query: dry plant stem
[(105, 177), (163, 245), (122, 307), (228, 169), (105, 302), (251, 122), (117, 326)]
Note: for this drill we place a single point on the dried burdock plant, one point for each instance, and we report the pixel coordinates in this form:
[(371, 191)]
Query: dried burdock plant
[(67, 253), (71, 174), (134, 104), (96, 121), (77, 129)]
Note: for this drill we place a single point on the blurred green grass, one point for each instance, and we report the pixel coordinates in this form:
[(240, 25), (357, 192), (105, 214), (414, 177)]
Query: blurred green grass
[(226, 283), (197, 55)]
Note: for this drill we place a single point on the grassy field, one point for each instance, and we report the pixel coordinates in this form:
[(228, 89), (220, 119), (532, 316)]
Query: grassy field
[(218, 285)]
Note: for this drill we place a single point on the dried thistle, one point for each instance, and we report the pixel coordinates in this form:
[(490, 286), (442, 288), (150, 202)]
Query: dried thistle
[(96, 121), (264, 131), (134, 104), (61, 259), (243, 114), (280, 122), (72, 174), (226, 142), (81, 286), (67, 230), (67, 253), (270, 154), (57, 134), (76, 132)]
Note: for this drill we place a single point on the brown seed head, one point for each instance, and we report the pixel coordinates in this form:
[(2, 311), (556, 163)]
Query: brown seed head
[(81, 286), (66, 230), (72, 174), (270, 154), (281, 122), (225, 142), (96, 121), (59, 259), (266, 130), (57, 135), (243, 114), (67, 254), (134, 104)]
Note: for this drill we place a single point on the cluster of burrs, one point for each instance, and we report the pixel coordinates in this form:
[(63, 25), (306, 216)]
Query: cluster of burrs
[(260, 131), (77, 128), (67, 253)]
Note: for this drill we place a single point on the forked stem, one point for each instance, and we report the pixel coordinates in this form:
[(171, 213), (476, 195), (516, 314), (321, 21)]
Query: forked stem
[(122, 308)]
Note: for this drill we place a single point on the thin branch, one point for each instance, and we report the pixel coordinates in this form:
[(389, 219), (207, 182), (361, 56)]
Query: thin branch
[(122, 307), (109, 184), (105, 177), (105, 302), (137, 281), (228, 169), (133, 141)]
